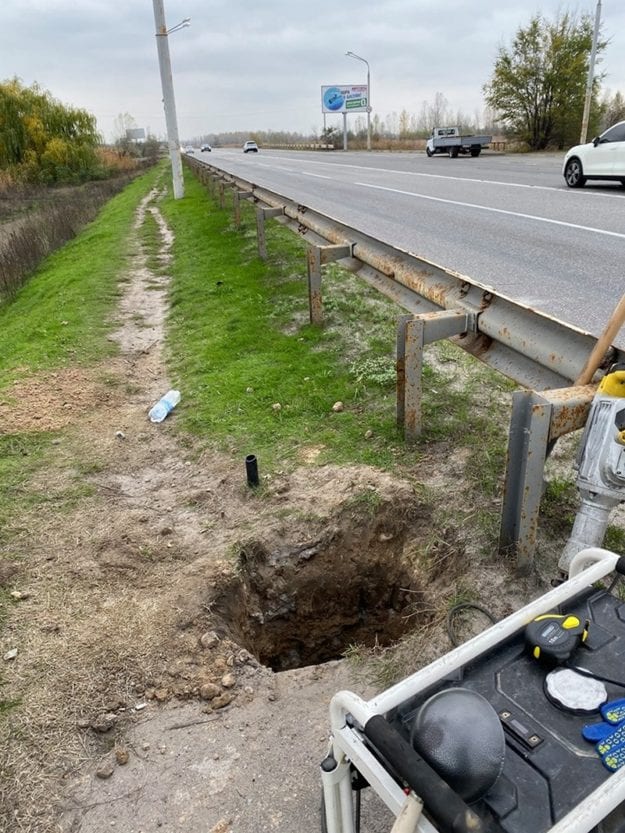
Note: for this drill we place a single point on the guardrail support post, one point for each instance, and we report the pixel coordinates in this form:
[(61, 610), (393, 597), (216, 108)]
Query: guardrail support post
[(413, 333), (261, 215), (315, 305), (237, 196), (222, 199), (538, 419), (316, 256)]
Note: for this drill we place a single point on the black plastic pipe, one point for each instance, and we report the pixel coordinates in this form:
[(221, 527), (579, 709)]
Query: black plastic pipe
[(449, 811), (251, 468)]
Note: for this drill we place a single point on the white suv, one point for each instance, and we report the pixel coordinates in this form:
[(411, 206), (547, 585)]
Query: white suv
[(603, 158)]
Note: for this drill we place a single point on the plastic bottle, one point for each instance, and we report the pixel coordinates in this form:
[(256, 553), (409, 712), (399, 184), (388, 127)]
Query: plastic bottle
[(165, 404)]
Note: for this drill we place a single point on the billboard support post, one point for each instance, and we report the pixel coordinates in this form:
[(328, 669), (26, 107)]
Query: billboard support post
[(344, 131)]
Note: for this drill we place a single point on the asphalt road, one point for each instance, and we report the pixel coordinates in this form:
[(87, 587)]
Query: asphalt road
[(507, 222)]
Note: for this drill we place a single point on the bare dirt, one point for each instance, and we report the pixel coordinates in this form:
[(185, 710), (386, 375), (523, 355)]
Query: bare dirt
[(170, 623)]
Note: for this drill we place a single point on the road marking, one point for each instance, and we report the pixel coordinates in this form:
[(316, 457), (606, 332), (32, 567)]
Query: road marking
[(494, 210), (317, 176), (560, 190)]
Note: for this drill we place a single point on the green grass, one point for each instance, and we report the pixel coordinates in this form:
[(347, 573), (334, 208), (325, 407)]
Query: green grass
[(240, 343), (62, 315)]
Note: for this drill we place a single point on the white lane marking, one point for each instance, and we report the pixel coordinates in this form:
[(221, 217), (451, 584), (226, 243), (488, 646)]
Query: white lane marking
[(494, 210), (317, 176), (367, 169)]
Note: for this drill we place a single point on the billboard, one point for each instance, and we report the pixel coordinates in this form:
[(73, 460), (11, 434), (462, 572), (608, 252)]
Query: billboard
[(345, 98), (135, 133)]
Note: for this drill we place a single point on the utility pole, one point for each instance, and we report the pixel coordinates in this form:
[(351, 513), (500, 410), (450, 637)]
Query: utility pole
[(591, 75), (164, 63)]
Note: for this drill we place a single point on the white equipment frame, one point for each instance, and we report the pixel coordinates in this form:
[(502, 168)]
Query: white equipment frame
[(347, 746)]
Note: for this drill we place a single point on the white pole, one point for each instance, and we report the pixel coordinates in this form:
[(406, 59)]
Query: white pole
[(368, 109), (591, 75), (365, 61), (169, 103)]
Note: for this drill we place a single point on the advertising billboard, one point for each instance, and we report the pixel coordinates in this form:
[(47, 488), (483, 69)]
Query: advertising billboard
[(344, 98)]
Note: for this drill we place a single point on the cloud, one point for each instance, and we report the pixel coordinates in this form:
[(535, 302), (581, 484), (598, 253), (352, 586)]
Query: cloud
[(244, 66)]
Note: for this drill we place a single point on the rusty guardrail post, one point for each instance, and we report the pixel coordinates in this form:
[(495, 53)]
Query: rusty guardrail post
[(221, 192), (261, 215), (237, 196), (316, 256), (413, 333), (537, 420)]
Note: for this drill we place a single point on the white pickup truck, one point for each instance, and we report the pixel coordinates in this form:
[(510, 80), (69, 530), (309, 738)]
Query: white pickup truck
[(448, 140)]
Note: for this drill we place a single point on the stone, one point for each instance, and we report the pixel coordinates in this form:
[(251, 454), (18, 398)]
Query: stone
[(121, 756), (228, 680), (209, 691), (338, 407), (209, 639)]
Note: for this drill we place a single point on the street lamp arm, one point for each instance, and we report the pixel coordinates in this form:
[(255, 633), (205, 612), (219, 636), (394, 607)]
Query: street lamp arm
[(182, 25)]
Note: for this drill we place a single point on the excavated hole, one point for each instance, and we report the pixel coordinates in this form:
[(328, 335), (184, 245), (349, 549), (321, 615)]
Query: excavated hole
[(308, 604)]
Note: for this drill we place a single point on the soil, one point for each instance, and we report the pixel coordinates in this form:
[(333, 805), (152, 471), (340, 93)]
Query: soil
[(178, 633)]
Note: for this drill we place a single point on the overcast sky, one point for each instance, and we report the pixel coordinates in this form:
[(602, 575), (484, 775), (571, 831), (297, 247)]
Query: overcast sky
[(260, 64)]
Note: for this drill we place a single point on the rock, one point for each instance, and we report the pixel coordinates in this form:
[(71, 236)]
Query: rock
[(276, 406), (222, 826), (368, 434), (167, 530), (120, 435), (20, 595), (121, 756), (209, 639), (228, 680), (11, 654), (209, 691), (105, 770), (104, 722), (161, 694), (338, 407), (223, 700)]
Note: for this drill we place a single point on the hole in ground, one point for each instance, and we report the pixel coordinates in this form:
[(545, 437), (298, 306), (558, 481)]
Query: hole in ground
[(308, 604)]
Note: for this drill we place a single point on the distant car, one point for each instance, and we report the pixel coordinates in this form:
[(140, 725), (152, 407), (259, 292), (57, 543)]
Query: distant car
[(206, 148), (603, 158), (250, 147), (189, 150)]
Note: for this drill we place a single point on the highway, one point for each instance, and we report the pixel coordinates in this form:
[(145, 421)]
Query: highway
[(506, 221)]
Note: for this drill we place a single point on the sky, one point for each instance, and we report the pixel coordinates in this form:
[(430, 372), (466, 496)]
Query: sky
[(244, 66)]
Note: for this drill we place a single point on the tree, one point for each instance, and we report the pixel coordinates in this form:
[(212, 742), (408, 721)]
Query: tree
[(613, 109), (42, 139), (538, 86)]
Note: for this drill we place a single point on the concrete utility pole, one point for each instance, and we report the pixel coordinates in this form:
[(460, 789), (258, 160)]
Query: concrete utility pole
[(164, 63), (591, 75)]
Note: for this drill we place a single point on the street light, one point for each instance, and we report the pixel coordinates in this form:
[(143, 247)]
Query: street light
[(358, 58), (164, 64)]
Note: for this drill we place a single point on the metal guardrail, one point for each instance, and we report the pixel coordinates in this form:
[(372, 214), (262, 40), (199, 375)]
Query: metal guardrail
[(535, 350)]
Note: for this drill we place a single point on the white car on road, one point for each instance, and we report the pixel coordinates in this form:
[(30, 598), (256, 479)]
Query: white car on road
[(603, 158)]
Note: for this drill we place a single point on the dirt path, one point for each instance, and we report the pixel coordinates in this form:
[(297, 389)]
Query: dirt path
[(148, 609)]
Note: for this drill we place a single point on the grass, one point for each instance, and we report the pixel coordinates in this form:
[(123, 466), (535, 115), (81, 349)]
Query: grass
[(62, 315), (257, 377)]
